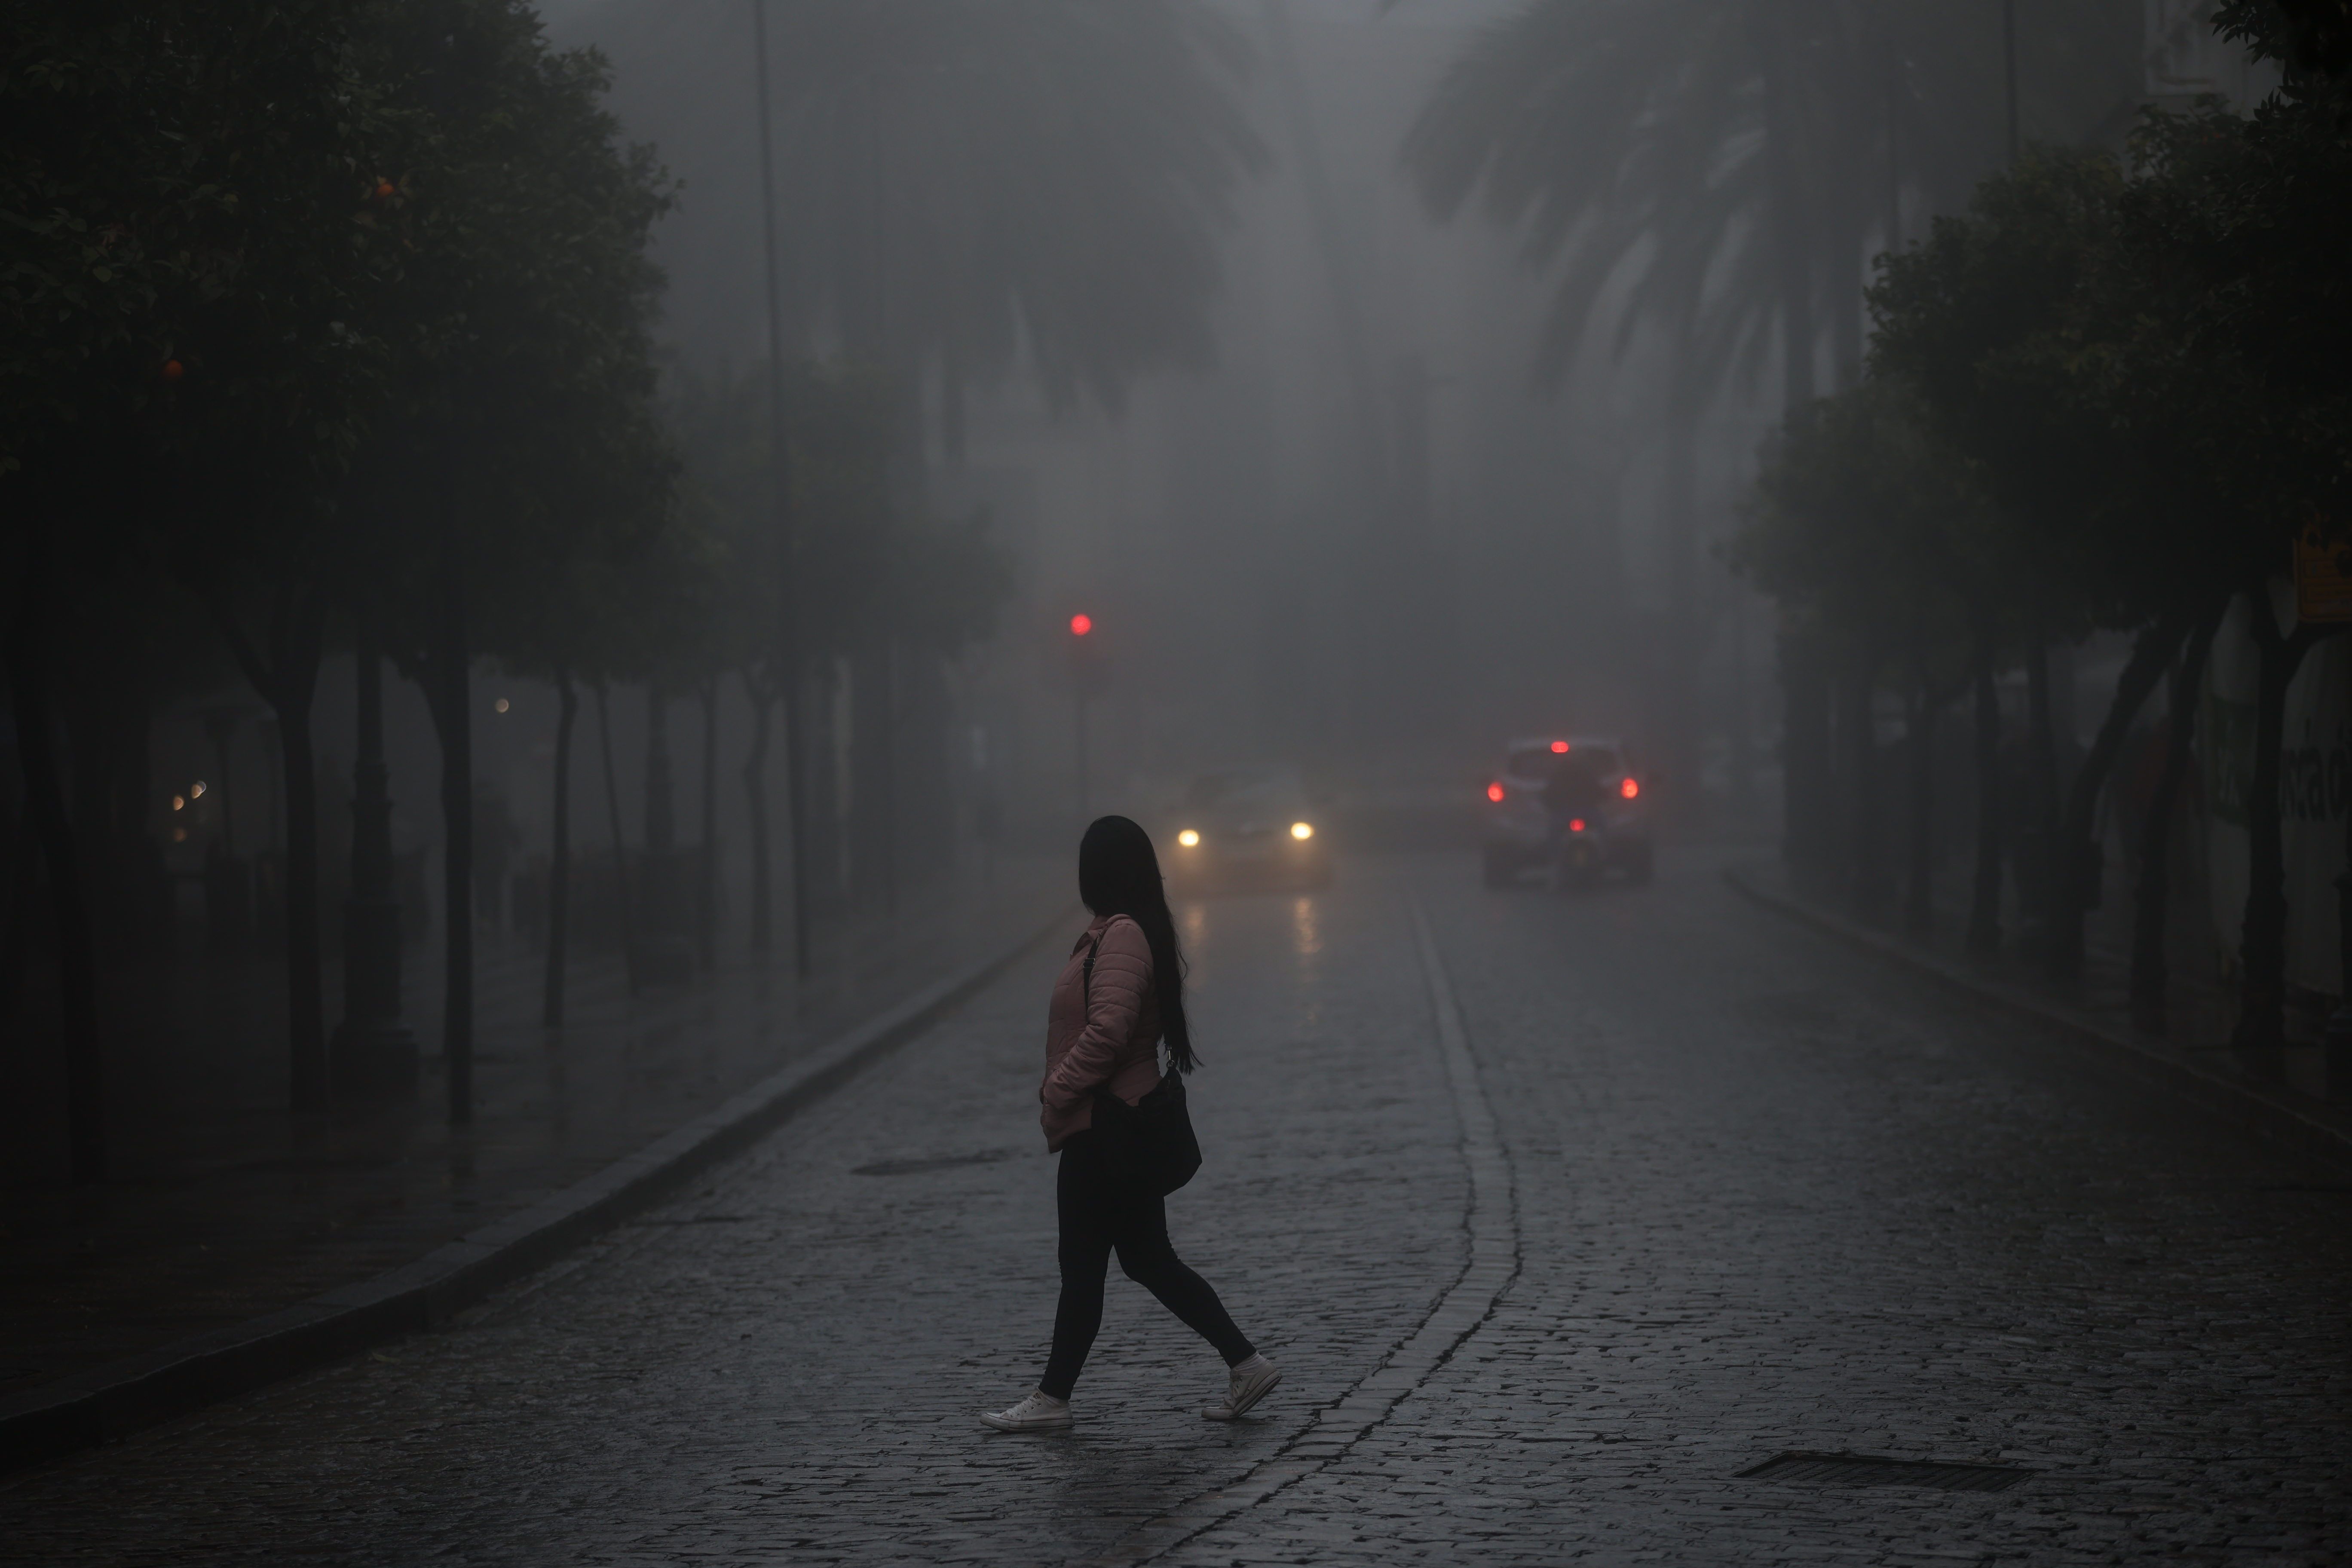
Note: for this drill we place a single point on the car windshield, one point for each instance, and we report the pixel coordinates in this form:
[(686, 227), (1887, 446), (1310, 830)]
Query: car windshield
[(1243, 789), (1583, 763)]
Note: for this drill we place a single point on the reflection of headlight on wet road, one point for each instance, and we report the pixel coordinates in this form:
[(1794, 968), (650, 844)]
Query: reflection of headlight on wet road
[(1187, 838), (1302, 830)]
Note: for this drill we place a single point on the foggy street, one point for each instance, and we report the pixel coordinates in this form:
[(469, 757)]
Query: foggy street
[(1618, 731), (1713, 1189)]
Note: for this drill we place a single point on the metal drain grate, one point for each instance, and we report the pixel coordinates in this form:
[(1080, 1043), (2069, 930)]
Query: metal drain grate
[(938, 1163), (1869, 1470)]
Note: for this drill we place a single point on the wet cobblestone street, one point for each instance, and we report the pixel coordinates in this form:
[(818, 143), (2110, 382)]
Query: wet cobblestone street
[(1706, 1187)]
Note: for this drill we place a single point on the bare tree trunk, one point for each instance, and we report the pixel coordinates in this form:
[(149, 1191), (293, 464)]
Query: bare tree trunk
[(659, 884), (305, 990), (1984, 895), (1806, 774), (2037, 864), (559, 858), (1868, 888), (371, 1050), (450, 689), (2077, 853), (44, 804), (1919, 895), (289, 680), (706, 880), (2151, 979), (620, 848), (755, 794), (2261, 999)]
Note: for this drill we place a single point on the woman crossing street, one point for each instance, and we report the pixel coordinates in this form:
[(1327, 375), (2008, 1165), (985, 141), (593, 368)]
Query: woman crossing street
[(1119, 1124)]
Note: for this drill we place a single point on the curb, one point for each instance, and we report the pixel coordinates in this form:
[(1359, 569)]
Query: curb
[(118, 1397), (2242, 1105)]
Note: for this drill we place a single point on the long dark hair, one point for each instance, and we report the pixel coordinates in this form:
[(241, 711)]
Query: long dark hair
[(1118, 874)]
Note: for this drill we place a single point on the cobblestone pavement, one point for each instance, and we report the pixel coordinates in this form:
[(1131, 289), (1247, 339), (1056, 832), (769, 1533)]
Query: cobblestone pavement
[(1756, 1193)]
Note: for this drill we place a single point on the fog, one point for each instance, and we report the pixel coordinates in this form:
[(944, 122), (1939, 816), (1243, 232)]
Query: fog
[(1360, 537), (1059, 401)]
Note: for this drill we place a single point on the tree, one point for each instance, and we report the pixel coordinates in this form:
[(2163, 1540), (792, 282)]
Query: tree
[(2234, 241), (998, 178), (2006, 320), (1867, 529), (182, 266), (525, 372), (941, 581), (281, 380), (1720, 168), (634, 576)]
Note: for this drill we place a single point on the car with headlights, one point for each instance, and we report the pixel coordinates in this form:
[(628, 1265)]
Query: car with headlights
[(1569, 807), (1248, 827)]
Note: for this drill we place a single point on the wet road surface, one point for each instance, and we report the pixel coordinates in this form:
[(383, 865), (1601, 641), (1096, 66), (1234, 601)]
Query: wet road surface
[(1559, 1212)]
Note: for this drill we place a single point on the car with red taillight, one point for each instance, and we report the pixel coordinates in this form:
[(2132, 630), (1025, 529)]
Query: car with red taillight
[(1565, 807)]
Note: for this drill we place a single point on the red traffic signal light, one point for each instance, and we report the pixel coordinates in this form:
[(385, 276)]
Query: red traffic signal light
[(1081, 624)]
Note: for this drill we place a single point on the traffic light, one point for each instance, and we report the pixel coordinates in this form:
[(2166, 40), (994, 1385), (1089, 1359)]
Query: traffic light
[(1081, 624)]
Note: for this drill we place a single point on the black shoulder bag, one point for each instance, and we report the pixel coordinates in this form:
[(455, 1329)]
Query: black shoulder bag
[(1149, 1143)]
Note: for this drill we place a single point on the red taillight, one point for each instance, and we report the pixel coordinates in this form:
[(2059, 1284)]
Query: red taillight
[(1494, 792), (1629, 789), (1576, 825), (1559, 748)]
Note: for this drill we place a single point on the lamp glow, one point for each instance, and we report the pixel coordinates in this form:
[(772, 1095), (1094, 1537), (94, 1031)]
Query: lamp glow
[(1302, 831), (1189, 839)]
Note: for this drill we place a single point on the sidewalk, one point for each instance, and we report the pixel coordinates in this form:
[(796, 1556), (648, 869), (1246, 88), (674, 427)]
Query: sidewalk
[(2190, 1059), (231, 1216)]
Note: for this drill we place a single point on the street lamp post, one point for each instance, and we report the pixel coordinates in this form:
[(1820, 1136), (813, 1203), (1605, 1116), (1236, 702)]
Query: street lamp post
[(780, 476)]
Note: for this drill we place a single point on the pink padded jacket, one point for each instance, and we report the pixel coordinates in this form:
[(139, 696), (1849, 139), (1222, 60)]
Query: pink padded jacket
[(1111, 1039)]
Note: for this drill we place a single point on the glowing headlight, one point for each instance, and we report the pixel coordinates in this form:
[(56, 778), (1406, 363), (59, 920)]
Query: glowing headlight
[(1302, 830), (1188, 838)]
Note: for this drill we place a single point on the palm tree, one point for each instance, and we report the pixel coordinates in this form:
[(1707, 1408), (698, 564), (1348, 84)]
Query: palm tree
[(1722, 169), (982, 181), (1677, 158), (1733, 159)]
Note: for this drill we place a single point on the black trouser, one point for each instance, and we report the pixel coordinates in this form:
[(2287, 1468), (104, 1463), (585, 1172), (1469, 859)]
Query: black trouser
[(1099, 1212)]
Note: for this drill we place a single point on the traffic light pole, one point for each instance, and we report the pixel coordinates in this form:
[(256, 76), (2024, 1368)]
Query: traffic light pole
[(1081, 696), (1083, 655)]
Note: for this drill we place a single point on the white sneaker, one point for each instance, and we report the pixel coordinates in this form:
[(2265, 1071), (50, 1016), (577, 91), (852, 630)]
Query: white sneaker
[(1248, 1383), (1035, 1413)]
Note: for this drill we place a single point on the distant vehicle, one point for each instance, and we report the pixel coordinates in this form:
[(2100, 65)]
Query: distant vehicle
[(1248, 827), (1572, 807)]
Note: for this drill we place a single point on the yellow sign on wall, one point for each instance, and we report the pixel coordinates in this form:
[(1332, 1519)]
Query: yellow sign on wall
[(2322, 575)]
